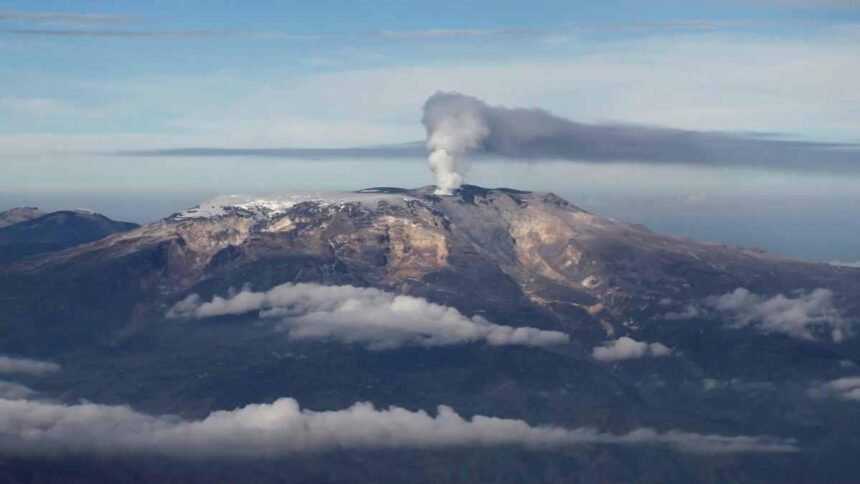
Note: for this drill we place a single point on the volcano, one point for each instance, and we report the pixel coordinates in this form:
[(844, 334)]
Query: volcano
[(660, 331)]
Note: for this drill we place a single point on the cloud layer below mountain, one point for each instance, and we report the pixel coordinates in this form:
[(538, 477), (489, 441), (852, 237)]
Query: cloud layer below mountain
[(801, 315), (625, 348), (797, 316), (14, 391), (376, 319), (839, 263), (847, 388), (10, 365), (29, 428)]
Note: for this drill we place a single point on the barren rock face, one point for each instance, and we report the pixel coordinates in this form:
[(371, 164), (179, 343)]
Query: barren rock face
[(414, 249)]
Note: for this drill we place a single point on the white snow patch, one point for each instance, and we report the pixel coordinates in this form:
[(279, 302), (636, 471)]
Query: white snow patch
[(273, 205)]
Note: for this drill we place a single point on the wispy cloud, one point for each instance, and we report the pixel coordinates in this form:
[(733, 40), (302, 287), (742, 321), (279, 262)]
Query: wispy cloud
[(810, 4), (400, 150), (156, 34), (376, 319), (797, 316), (802, 315), (698, 24), (443, 33), (525, 33), (100, 19), (839, 263), (9, 365), (66, 18), (87, 22), (14, 391), (847, 388), (282, 427)]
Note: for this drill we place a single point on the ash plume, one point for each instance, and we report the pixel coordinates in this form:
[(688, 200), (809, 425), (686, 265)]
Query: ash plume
[(457, 125)]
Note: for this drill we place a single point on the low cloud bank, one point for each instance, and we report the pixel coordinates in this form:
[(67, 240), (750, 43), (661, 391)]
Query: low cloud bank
[(798, 317), (29, 428), (843, 388), (625, 348), (802, 315), (840, 263), (14, 391), (370, 317), (9, 365), (396, 151)]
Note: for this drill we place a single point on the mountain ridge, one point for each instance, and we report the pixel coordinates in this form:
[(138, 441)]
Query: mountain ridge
[(28, 231), (19, 214)]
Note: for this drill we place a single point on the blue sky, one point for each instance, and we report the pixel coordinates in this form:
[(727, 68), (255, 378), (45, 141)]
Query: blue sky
[(81, 80), (175, 68)]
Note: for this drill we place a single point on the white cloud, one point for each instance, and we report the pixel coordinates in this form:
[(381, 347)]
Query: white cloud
[(709, 384), (26, 366), (64, 18), (837, 4), (801, 316), (798, 317), (690, 311), (563, 34), (840, 263), (155, 34), (376, 319), (457, 33), (843, 388), (14, 391), (736, 384), (625, 348), (283, 428)]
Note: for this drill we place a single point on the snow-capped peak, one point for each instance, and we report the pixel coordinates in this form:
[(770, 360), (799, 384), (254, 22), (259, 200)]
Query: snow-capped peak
[(273, 205)]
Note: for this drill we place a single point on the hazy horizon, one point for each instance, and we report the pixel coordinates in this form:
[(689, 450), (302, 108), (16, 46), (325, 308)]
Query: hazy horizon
[(802, 215)]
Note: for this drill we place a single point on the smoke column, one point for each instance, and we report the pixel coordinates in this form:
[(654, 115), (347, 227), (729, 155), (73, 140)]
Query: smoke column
[(457, 124), (454, 125)]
